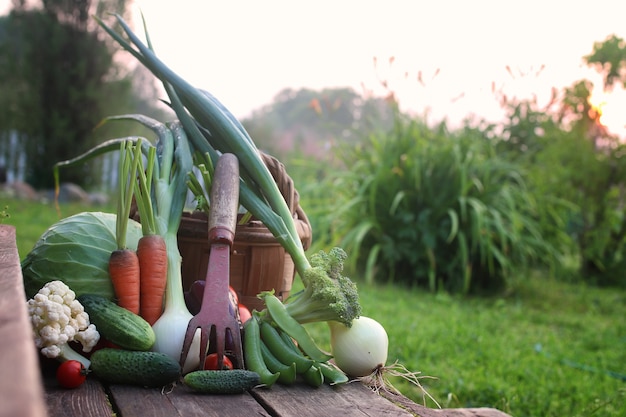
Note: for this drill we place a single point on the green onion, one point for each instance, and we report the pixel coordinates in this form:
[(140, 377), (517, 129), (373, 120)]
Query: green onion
[(211, 128)]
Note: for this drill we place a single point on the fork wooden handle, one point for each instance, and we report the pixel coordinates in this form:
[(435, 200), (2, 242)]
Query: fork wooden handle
[(224, 199)]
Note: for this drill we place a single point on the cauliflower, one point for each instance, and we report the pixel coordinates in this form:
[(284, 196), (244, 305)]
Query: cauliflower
[(57, 318)]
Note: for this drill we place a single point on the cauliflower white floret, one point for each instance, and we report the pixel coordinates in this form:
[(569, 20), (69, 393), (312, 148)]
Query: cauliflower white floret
[(57, 318)]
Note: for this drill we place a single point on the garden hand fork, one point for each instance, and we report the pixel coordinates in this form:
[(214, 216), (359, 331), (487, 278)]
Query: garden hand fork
[(215, 320)]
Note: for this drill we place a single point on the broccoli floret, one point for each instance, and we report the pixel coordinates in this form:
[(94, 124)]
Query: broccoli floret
[(327, 294)]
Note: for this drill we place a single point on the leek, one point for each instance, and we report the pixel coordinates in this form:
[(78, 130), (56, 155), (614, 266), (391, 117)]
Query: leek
[(212, 129)]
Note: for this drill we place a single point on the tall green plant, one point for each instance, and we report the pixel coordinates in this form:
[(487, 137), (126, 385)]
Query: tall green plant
[(437, 209)]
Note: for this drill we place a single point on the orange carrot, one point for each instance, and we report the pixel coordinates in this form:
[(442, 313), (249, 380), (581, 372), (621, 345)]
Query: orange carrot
[(123, 263), (152, 255), (124, 273)]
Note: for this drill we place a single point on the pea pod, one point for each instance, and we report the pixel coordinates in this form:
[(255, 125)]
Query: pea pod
[(332, 374), (252, 353), (287, 372), (288, 340), (281, 350), (294, 329), (313, 376)]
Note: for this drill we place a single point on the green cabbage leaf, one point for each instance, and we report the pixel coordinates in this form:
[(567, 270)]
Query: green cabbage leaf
[(76, 250)]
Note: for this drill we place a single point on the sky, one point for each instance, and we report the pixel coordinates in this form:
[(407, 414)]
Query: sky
[(447, 54)]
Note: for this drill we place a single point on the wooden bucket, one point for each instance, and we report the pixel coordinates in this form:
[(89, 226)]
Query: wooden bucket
[(258, 262)]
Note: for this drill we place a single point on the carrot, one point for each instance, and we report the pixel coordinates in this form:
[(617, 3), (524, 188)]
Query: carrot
[(123, 263), (151, 248), (124, 273), (152, 255)]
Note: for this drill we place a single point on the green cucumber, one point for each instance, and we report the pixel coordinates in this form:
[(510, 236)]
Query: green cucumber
[(131, 367), (235, 381), (118, 325)]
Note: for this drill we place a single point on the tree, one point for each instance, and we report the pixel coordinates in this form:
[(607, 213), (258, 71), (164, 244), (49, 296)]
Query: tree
[(61, 80), (577, 167), (609, 57), (308, 121)]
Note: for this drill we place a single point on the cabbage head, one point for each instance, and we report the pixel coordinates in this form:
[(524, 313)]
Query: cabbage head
[(76, 250)]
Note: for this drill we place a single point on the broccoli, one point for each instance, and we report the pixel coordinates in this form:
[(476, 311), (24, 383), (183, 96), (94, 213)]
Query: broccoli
[(327, 295)]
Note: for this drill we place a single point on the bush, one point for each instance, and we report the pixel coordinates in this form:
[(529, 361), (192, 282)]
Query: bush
[(424, 206)]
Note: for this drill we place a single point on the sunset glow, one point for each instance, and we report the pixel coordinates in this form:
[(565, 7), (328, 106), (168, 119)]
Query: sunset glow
[(612, 107)]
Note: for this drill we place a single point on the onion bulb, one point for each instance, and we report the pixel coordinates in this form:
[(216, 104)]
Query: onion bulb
[(361, 352), (361, 349), (170, 330)]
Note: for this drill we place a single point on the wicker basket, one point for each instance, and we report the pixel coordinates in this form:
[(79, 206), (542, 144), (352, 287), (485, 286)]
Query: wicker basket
[(258, 262)]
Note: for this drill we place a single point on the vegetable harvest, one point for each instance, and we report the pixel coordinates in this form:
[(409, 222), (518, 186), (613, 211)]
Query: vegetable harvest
[(277, 346), (167, 194), (212, 128)]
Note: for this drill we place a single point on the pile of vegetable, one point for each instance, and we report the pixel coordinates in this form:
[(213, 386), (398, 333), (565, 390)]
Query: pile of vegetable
[(129, 282)]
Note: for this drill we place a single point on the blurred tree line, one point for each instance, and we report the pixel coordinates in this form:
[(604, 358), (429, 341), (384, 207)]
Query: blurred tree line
[(310, 123), (572, 158), (59, 78), (463, 210)]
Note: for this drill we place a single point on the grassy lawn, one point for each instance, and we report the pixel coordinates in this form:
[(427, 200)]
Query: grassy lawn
[(545, 349), (31, 219)]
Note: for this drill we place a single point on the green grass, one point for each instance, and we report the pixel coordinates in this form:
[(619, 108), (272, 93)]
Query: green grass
[(483, 351), (31, 219)]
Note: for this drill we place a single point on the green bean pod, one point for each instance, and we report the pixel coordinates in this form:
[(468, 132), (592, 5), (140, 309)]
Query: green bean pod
[(281, 350), (294, 329), (252, 353)]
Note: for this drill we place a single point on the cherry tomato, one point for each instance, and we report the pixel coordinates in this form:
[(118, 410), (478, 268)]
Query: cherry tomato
[(244, 313), (211, 362), (71, 374)]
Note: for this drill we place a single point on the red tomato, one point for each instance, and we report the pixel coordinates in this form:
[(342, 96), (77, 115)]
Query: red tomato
[(244, 313), (71, 374), (211, 362), (233, 295)]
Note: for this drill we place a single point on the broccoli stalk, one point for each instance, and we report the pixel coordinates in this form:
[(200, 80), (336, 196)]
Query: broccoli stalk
[(328, 295)]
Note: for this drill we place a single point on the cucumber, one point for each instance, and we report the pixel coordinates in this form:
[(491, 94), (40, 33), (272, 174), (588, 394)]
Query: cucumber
[(131, 367), (118, 325), (235, 381)]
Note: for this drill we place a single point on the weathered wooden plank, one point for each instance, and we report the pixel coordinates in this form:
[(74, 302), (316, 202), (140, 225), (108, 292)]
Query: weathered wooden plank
[(349, 400), (89, 399), (21, 392), (421, 411), (140, 402), (191, 404)]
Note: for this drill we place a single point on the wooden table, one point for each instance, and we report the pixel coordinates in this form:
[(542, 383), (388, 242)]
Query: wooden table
[(97, 400), (28, 387)]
